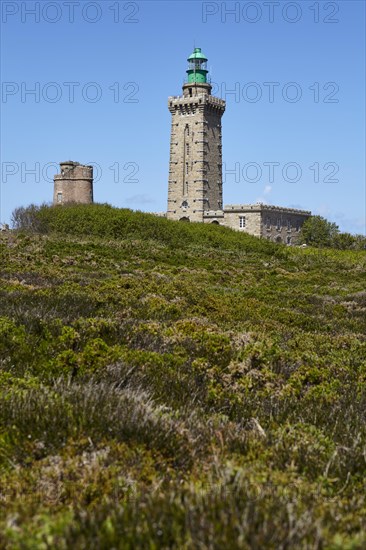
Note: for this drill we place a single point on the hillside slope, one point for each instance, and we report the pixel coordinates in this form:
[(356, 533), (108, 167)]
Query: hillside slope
[(169, 385)]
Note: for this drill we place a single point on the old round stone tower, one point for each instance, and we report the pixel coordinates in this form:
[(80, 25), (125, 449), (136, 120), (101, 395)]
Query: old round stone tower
[(74, 184), (195, 170)]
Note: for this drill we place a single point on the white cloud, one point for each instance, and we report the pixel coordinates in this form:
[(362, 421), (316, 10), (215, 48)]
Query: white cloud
[(266, 191)]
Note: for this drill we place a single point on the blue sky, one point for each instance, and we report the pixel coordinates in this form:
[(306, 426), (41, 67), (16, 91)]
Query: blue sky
[(294, 126)]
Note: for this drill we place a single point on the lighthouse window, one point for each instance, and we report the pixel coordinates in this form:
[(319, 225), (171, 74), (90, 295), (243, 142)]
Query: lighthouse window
[(241, 222), (59, 197)]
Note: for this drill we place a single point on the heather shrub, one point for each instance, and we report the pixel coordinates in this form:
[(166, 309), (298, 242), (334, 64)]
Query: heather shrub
[(168, 385)]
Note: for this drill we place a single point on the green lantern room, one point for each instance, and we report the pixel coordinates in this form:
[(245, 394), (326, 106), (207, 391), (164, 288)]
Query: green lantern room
[(197, 81)]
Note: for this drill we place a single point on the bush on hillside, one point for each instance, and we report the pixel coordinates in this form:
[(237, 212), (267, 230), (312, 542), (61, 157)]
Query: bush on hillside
[(28, 218), (103, 220), (319, 232)]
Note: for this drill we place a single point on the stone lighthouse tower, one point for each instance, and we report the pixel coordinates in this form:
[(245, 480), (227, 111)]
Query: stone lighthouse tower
[(74, 184), (195, 171)]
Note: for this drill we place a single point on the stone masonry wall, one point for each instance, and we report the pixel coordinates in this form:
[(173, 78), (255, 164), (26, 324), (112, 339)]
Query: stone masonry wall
[(195, 170), (282, 224), (270, 222), (241, 219), (74, 184)]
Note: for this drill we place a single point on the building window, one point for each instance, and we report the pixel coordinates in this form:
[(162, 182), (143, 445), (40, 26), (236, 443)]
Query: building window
[(187, 129), (241, 222), (187, 148), (186, 167), (184, 204), (268, 223), (278, 226), (59, 197), (288, 225)]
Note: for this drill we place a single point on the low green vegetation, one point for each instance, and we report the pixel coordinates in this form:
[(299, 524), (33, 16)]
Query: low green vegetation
[(317, 231), (167, 385)]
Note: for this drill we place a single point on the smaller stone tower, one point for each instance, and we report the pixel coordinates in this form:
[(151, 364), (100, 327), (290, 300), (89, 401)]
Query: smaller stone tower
[(74, 184)]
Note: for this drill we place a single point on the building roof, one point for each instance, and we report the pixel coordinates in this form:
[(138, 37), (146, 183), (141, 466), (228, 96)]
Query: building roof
[(259, 207), (197, 54)]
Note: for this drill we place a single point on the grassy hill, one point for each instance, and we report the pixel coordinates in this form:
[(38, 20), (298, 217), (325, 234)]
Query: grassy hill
[(169, 385)]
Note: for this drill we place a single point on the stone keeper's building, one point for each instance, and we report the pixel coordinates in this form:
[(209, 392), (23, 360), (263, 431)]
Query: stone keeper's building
[(195, 171)]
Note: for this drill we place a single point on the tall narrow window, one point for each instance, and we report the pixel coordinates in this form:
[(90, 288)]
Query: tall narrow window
[(278, 226), (288, 225), (59, 197), (242, 222), (186, 167), (187, 148)]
